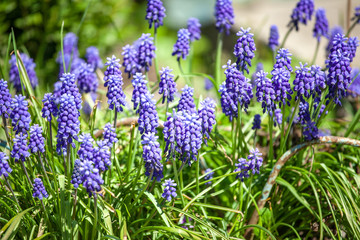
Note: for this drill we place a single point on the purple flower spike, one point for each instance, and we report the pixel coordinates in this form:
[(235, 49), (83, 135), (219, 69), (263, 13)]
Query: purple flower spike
[(321, 27), (19, 115), (5, 99), (39, 189), (112, 68), (109, 135), (265, 92), (277, 117), (139, 83), (68, 86), (70, 44), (87, 79), (93, 58), (86, 150), (152, 156), (102, 156), (256, 122), (14, 76), (5, 169), (207, 117), (353, 43), (193, 25), (155, 13), (224, 15), (115, 94), (354, 88), (186, 102), (182, 46), (173, 132), (334, 31), (91, 178), (304, 83), (209, 174), (283, 59), (69, 124), (280, 79), (145, 51), (37, 140), (20, 149), (191, 138), (338, 78), (357, 14), (253, 164), (130, 63), (208, 84), (76, 177), (148, 117), (238, 91), (310, 131), (49, 109), (169, 190), (167, 85), (319, 79), (244, 49), (304, 114), (302, 13), (274, 37)]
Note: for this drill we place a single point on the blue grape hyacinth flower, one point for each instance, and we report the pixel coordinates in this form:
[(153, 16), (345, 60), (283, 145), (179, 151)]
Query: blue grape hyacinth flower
[(39, 190), (115, 94), (186, 102), (169, 190), (76, 177), (87, 80), (182, 46), (265, 92), (321, 28), (193, 25), (93, 57), (86, 150), (257, 122), (109, 135), (148, 116), (244, 49), (140, 88), (167, 85), (20, 149), (209, 174), (224, 15), (14, 76), (5, 99), (91, 178), (145, 51), (130, 62), (36, 140), (274, 37), (19, 115), (207, 117), (302, 13), (5, 168), (49, 109), (68, 86), (155, 13), (152, 156), (251, 165)]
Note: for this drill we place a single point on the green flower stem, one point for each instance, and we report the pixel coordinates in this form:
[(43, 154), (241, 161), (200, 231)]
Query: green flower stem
[(68, 156), (6, 132), (271, 145), (155, 59), (129, 162), (26, 173), (93, 235), (316, 52), (62, 45), (197, 173), (353, 123), (182, 73), (240, 135), (351, 28), (282, 125), (286, 37), (143, 190), (289, 126), (12, 191), (281, 162), (218, 59), (176, 173), (46, 215), (43, 168), (233, 138), (74, 205)]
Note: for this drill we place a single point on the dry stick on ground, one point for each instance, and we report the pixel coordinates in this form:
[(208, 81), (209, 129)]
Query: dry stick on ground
[(281, 162)]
